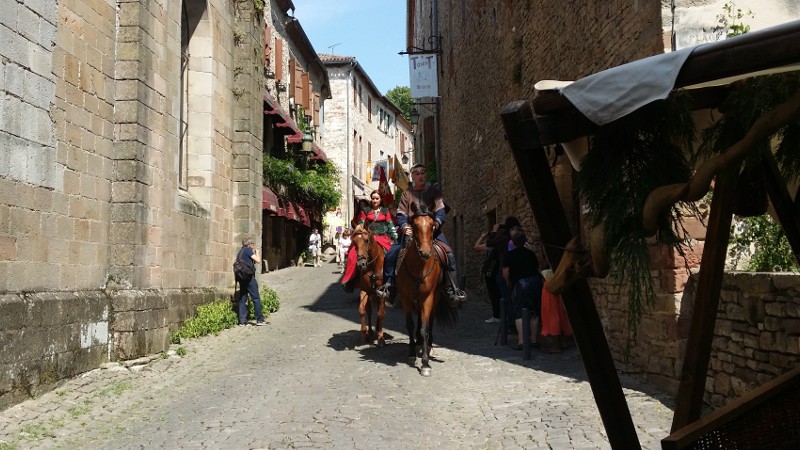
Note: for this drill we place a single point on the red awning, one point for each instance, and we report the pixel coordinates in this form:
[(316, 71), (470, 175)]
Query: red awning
[(280, 120), (302, 215), (291, 214), (269, 200)]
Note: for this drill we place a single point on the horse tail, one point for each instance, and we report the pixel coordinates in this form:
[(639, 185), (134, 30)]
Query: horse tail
[(446, 313)]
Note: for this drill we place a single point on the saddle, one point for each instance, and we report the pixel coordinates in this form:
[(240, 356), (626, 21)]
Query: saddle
[(440, 249)]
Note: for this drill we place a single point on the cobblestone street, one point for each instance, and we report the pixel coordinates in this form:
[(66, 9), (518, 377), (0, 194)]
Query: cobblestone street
[(307, 381)]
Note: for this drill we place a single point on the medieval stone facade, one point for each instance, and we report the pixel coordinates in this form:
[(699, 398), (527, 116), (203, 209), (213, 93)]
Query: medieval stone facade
[(131, 170), (361, 128)]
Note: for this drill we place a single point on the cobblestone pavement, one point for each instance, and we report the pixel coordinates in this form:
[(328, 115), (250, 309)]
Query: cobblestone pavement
[(307, 381)]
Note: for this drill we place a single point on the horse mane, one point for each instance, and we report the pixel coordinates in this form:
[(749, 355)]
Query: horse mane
[(422, 210)]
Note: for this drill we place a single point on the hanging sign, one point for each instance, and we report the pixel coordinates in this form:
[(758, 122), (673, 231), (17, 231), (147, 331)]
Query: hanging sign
[(423, 71)]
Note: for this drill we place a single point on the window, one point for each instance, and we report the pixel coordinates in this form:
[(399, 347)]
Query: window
[(380, 118), (369, 109), (192, 50)]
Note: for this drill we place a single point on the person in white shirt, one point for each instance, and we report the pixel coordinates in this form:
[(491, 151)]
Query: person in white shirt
[(344, 246), (315, 246)]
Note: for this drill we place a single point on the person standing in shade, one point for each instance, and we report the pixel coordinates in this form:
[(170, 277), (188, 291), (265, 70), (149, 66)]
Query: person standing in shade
[(315, 246), (249, 256), (489, 269), (498, 239), (521, 273)]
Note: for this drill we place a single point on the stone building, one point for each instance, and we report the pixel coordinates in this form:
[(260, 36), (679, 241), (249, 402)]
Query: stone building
[(362, 129), (295, 88), (498, 50), (133, 135)]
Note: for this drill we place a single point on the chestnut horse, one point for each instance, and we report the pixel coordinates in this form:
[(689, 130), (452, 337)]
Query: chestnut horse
[(369, 264), (419, 281)]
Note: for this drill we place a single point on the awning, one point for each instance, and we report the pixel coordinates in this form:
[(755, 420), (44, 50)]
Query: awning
[(563, 113), (302, 215), (289, 210), (297, 138), (269, 200), (281, 121)]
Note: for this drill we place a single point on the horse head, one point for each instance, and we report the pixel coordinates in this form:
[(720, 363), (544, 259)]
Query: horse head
[(360, 239), (422, 224)]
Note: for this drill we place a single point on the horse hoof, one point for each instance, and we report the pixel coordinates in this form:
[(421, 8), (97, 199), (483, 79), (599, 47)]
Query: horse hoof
[(425, 371), (381, 342)]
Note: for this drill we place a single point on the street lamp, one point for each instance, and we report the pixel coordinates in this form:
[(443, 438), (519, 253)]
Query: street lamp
[(414, 117), (308, 142), (404, 158)]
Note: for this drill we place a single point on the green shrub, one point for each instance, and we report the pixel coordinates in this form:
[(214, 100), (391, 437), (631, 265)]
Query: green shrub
[(269, 302), (210, 319), (269, 298)]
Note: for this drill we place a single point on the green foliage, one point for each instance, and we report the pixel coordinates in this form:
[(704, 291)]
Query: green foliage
[(181, 351), (258, 5), (269, 302), (772, 250), (318, 184), (731, 21), (210, 319), (639, 153), (430, 171), (401, 97)]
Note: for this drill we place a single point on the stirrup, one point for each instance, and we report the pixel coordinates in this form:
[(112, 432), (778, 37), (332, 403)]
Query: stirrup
[(383, 291)]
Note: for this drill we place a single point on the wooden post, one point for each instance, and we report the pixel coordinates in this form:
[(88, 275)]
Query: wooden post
[(785, 209), (689, 401), (590, 338)]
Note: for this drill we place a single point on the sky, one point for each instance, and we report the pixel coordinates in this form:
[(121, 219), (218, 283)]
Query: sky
[(371, 30)]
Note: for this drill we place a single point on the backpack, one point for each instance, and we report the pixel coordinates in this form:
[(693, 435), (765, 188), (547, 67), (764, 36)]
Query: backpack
[(241, 270)]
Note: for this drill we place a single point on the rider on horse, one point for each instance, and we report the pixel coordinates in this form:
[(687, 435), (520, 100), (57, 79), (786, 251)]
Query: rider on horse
[(421, 193), (378, 220)]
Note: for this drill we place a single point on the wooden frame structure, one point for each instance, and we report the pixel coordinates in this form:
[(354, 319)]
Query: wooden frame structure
[(551, 119)]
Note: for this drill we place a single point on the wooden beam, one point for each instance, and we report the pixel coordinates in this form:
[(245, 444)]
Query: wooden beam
[(554, 229), (785, 208), (689, 401), (782, 386)]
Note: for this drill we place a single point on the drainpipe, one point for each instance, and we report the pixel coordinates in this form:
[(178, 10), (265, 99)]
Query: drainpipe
[(436, 119), (348, 153)]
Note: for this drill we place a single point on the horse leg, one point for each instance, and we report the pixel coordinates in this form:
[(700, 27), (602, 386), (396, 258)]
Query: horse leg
[(418, 334), (412, 346), (379, 319), (426, 328), (362, 312)]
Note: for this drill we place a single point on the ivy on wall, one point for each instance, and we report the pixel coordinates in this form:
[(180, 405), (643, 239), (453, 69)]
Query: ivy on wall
[(314, 184)]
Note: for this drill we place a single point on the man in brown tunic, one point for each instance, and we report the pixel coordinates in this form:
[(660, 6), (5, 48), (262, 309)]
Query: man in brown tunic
[(422, 193)]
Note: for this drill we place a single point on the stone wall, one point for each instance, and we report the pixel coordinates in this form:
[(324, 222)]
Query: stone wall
[(492, 54), (128, 177)]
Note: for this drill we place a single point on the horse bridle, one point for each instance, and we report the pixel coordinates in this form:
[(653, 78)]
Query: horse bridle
[(372, 276), (419, 252)]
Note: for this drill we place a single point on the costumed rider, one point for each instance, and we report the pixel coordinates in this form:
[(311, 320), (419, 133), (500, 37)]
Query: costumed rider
[(421, 193), (377, 219)]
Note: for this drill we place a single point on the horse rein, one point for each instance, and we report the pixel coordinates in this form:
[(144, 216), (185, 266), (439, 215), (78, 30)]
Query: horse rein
[(372, 276)]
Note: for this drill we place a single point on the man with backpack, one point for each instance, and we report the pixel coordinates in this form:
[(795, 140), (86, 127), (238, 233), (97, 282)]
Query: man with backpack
[(244, 270)]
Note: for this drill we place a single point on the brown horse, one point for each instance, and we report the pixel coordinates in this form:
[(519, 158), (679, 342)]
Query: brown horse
[(369, 264), (419, 278)]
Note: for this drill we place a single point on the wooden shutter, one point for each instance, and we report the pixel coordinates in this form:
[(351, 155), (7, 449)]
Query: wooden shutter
[(278, 59)]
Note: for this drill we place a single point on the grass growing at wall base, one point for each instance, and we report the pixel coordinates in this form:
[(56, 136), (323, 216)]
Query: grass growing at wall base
[(220, 315)]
